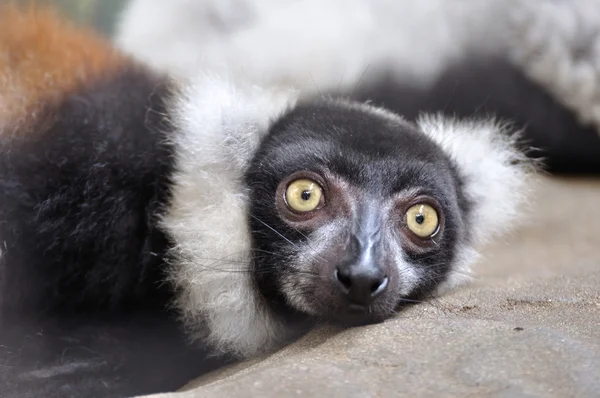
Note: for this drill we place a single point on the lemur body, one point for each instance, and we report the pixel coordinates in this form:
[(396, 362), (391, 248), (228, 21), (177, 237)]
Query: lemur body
[(129, 200)]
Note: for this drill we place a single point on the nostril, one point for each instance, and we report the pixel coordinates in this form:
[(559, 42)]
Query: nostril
[(343, 279), (379, 286)]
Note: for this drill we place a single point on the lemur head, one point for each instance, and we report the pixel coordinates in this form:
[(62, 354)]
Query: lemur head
[(332, 209), (351, 211)]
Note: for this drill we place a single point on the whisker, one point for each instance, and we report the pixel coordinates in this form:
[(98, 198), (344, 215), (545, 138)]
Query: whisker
[(357, 86), (274, 230), (315, 83), (309, 244), (288, 240), (406, 300)]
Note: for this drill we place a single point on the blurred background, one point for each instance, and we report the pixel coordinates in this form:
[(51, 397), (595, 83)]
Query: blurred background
[(101, 14)]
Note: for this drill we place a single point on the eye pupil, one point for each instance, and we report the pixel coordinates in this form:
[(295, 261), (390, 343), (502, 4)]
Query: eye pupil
[(305, 195), (419, 219)]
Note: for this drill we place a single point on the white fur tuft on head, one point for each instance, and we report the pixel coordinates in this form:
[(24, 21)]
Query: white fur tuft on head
[(495, 172), (219, 124)]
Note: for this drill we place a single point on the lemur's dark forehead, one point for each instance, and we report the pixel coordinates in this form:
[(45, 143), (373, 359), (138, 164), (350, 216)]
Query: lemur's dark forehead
[(365, 133), (365, 148)]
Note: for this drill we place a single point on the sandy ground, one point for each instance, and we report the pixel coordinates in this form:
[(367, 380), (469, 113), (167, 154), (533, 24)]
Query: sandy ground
[(528, 326)]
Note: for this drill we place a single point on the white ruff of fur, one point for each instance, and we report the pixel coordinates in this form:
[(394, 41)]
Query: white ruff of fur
[(497, 179), (219, 126), (558, 45)]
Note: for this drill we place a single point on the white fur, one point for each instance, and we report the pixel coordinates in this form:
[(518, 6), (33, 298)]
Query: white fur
[(558, 44), (219, 126), (311, 44), (496, 178)]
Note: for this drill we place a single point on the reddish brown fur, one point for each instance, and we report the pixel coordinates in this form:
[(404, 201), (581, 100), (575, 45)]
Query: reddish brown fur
[(43, 58)]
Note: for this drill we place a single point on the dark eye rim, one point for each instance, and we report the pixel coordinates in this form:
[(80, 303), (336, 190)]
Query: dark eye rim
[(283, 186), (427, 241)]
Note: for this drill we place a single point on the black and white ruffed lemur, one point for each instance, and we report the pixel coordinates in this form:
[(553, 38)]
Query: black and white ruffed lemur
[(135, 211)]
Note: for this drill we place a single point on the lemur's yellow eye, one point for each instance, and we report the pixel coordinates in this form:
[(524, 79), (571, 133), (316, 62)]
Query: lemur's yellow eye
[(422, 220), (303, 195)]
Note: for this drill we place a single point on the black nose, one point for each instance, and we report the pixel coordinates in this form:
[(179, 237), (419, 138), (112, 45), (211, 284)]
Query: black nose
[(361, 285)]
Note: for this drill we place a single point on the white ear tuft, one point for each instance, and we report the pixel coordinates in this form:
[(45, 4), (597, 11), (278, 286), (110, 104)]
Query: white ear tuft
[(219, 125), (496, 173), (496, 177)]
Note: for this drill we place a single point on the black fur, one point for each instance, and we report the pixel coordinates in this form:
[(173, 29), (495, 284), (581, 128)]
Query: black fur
[(96, 357), (80, 198), (375, 155), (480, 87), (82, 269)]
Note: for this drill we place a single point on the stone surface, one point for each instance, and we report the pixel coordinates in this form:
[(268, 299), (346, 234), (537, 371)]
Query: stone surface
[(528, 326)]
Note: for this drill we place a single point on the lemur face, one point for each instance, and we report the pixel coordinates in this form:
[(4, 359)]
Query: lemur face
[(351, 212)]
